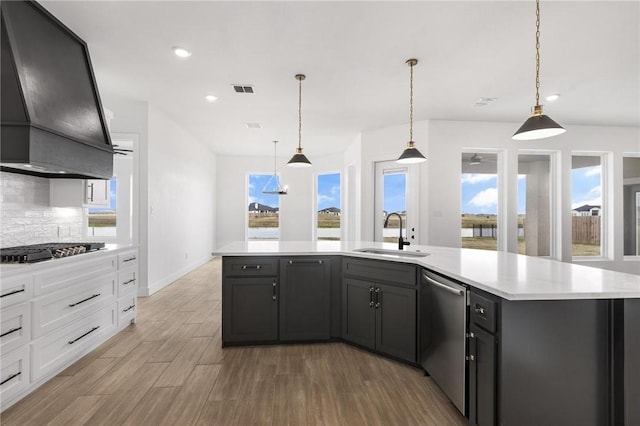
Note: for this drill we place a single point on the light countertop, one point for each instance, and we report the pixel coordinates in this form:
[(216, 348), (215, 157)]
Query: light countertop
[(11, 269), (510, 276)]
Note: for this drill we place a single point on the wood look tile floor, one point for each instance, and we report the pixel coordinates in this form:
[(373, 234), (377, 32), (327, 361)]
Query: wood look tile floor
[(169, 369)]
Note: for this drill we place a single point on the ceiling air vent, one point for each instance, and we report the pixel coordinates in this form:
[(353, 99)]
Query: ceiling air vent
[(253, 125), (242, 88), (481, 102)]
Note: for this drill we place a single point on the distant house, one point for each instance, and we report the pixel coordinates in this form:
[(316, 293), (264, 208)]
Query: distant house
[(258, 208), (330, 210), (586, 210)]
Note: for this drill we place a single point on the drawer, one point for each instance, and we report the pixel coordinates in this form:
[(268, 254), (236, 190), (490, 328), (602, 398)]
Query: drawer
[(128, 259), (15, 327), (62, 346), (249, 266), (14, 373), (379, 270), (15, 290), (127, 310), (483, 312), (69, 304), (60, 277), (127, 281)]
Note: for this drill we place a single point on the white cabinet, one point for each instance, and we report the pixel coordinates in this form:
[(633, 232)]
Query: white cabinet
[(14, 373), (78, 192), (55, 312), (127, 288)]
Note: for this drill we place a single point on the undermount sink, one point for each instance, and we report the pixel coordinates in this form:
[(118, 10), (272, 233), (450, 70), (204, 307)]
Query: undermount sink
[(392, 252)]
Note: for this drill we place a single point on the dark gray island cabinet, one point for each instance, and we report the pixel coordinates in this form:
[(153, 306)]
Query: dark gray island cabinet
[(553, 362), (563, 359)]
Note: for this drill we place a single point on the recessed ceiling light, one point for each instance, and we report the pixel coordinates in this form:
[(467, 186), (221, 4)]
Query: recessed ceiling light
[(553, 97), (181, 52), (211, 98)]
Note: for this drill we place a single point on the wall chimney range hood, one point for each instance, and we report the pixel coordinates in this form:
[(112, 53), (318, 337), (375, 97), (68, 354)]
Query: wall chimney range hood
[(52, 121)]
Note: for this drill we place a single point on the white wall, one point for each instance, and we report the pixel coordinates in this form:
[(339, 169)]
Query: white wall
[(181, 190), (296, 208), (177, 182)]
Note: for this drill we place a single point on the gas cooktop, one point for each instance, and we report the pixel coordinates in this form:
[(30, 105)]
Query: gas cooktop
[(39, 252)]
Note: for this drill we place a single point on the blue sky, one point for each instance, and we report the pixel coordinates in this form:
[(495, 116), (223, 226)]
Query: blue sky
[(586, 186), (328, 190), (395, 193), (480, 193)]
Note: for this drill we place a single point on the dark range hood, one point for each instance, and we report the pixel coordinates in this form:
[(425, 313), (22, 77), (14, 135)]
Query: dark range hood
[(52, 120)]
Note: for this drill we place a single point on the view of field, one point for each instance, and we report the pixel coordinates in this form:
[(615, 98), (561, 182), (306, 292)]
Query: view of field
[(102, 219)]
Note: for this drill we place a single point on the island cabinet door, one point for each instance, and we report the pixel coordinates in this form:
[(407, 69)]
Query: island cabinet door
[(305, 299), (482, 377), (396, 321), (358, 312), (251, 309)]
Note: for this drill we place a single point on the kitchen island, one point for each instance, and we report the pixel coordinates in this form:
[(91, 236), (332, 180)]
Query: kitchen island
[(548, 342)]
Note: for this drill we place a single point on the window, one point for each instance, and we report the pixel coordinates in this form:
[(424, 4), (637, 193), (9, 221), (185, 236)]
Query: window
[(102, 221), (328, 214), (631, 207), (534, 204), (263, 221), (586, 205), (479, 205)]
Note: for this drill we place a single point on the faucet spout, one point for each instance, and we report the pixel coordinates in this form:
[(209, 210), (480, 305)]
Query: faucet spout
[(401, 241)]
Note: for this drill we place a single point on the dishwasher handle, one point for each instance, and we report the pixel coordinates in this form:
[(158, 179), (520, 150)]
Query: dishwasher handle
[(445, 287)]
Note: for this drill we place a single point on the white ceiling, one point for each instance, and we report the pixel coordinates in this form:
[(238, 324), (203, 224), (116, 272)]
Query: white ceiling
[(353, 54)]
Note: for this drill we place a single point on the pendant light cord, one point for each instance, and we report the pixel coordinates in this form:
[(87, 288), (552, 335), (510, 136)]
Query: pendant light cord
[(411, 104), (537, 52), (299, 113)]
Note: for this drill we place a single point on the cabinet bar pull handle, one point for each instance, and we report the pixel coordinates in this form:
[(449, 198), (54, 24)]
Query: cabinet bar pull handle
[(443, 286), (371, 297), (251, 266), (91, 188), (274, 291), (129, 308), (129, 259), (377, 298), (71, 342), (291, 262), (13, 330), (13, 376), (132, 280), (71, 305), (12, 292)]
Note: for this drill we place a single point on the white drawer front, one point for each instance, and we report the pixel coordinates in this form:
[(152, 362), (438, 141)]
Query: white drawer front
[(69, 275), (127, 281), (61, 346), (15, 327), (127, 310), (15, 290), (14, 373), (64, 306), (128, 259)]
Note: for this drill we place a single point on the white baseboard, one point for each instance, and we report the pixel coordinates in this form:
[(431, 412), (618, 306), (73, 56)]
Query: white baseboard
[(162, 283)]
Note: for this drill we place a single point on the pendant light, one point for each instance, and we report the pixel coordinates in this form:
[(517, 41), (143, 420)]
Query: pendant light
[(273, 186), (539, 125), (411, 154), (299, 159)]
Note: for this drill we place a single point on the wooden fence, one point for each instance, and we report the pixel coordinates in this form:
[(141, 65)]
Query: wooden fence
[(586, 229)]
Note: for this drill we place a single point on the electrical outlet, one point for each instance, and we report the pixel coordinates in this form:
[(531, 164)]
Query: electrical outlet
[(186, 255)]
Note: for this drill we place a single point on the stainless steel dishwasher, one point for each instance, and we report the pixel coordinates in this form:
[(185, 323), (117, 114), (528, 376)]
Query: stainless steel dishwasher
[(443, 309)]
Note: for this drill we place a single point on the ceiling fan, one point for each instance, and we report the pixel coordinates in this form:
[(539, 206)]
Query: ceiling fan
[(476, 159)]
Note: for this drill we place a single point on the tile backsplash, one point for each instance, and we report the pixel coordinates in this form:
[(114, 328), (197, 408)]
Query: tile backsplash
[(26, 217)]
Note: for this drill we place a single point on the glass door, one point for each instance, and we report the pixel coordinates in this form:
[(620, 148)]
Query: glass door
[(396, 200)]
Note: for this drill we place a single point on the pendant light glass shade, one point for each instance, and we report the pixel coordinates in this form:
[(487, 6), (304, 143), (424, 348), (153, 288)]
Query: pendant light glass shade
[(539, 125), (411, 155), (299, 159), (273, 186)]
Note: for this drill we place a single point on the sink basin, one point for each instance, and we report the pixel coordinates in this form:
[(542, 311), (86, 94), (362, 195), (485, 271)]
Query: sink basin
[(404, 253)]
